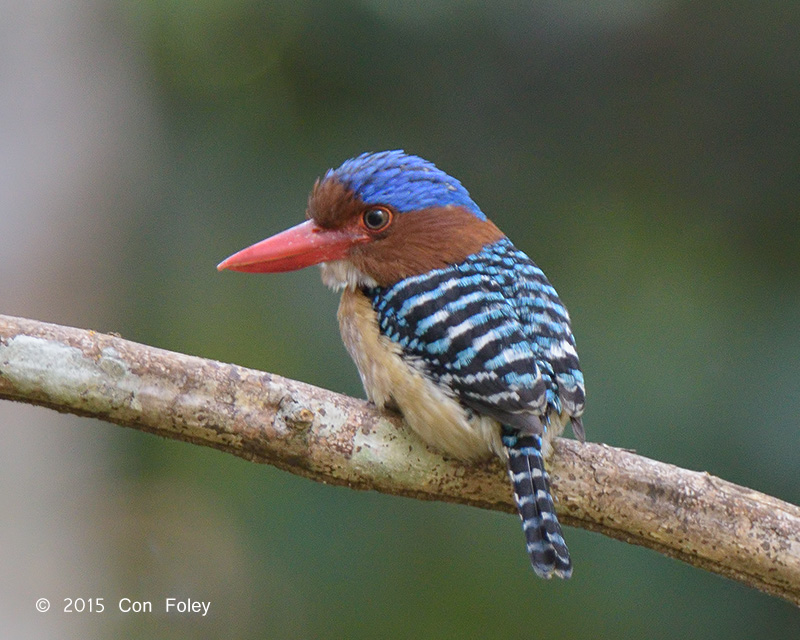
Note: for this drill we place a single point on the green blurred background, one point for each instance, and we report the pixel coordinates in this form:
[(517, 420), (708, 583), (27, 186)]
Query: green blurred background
[(644, 153)]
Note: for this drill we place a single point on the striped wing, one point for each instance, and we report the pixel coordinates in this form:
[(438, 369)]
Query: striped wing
[(491, 330)]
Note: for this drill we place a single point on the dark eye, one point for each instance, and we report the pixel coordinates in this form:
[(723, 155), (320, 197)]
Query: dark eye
[(377, 218)]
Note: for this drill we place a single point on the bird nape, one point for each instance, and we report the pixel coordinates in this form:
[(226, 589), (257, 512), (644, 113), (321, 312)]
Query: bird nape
[(446, 320)]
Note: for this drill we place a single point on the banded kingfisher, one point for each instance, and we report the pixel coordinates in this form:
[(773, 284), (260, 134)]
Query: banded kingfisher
[(446, 321)]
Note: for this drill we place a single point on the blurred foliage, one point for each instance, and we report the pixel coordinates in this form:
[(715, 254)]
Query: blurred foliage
[(645, 153)]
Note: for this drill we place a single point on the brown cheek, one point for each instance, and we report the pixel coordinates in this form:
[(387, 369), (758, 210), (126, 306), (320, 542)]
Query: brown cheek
[(424, 240)]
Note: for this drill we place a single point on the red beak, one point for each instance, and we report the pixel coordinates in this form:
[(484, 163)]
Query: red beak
[(296, 248)]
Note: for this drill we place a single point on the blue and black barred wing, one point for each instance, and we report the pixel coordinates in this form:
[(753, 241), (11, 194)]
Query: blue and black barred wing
[(546, 324), (492, 331)]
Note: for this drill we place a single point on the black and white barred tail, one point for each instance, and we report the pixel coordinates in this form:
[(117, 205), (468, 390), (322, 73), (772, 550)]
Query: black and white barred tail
[(545, 542)]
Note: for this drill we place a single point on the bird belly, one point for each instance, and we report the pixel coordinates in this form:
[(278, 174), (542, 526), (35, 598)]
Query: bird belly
[(390, 379)]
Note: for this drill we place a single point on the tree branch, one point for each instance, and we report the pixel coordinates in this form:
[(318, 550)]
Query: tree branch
[(693, 516)]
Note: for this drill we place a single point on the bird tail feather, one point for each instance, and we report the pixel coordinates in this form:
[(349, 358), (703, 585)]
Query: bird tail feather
[(545, 542)]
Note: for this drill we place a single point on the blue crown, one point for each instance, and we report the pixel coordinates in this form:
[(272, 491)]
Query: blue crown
[(402, 181)]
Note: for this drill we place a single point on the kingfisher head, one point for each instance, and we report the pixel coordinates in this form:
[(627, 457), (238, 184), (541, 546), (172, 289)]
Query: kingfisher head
[(378, 218)]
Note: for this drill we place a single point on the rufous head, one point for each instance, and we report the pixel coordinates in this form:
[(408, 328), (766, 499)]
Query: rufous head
[(378, 218)]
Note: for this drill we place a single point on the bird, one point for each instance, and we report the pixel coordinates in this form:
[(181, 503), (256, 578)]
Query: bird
[(446, 320)]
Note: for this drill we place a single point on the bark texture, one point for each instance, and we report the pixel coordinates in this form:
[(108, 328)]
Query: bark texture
[(693, 516)]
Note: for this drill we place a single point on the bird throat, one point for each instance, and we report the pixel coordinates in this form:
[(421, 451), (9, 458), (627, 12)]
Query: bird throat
[(342, 274)]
